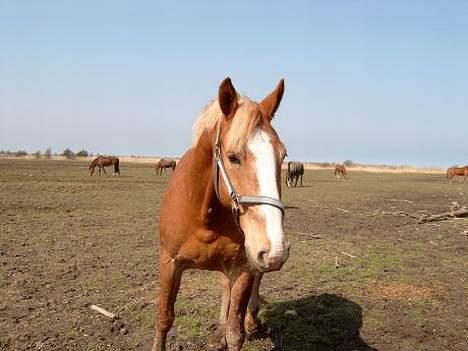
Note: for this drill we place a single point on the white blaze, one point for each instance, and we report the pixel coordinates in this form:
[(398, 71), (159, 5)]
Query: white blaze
[(260, 146)]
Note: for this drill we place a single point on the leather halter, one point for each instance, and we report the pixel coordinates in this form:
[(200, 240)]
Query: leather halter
[(236, 198)]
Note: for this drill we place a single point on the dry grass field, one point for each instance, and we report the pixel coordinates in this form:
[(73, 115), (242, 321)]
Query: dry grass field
[(68, 240)]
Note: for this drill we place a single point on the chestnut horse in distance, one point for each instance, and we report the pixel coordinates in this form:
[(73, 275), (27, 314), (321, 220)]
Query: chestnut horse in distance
[(340, 172), (102, 162), (222, 211), (163, 164), (457, 171)]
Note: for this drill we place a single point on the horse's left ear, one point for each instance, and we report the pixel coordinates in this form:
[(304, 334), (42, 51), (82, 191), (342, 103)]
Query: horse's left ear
[(270, 104), (227, 97)]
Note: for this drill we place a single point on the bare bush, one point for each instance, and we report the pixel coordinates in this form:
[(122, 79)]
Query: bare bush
[(68, 153), (48, 153)]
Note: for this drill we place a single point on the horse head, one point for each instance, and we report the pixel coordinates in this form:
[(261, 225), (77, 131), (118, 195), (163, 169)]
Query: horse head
[(252, 154)]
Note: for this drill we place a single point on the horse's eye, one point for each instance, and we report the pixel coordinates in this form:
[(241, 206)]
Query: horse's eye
[(234, 159)]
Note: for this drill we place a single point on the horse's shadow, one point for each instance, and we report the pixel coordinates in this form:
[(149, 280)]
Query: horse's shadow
[(315, 323)]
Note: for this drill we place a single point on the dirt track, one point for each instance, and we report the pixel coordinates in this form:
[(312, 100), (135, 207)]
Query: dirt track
[(68, 240)]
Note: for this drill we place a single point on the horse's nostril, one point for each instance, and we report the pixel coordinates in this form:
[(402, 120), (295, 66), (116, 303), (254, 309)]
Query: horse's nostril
[(261, 257)]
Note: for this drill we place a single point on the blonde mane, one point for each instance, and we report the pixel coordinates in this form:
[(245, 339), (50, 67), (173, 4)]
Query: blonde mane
[(246, 119)]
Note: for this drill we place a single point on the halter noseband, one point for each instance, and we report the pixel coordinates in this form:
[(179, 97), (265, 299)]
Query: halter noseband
[(236, 198)]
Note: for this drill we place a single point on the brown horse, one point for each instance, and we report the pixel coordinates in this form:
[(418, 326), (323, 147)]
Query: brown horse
[(163, 164), (340, 172), (102, 162), (457, 171), (206, 223), (294, 172)]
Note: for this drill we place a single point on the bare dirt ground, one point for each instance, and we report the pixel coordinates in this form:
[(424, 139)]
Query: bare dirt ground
[(68, 240)]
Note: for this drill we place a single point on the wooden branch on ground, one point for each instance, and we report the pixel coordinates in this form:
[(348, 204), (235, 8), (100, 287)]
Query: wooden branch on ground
[(337, 263), (104, 312), (308, 235), (347, 254), (424, 217), (402, 214), (401, 200), (463, 212)]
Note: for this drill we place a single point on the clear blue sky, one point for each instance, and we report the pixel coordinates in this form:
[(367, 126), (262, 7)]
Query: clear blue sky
[(371, 81)]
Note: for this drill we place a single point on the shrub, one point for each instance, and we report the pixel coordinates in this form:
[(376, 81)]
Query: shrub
[(37, 154), (68, 153), (20, 153), (48, 153), (348, 163), (82, 153)]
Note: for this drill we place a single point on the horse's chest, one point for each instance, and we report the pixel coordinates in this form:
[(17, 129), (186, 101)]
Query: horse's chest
[(217, 255)]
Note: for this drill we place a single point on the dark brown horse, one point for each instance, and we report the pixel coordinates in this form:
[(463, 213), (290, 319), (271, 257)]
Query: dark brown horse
[(294, 172), (102, 162), (163, 164), (340, 172), (208, 222), (457, 171)]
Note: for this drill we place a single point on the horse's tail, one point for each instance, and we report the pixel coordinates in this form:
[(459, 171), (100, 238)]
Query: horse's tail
[(116, 166)]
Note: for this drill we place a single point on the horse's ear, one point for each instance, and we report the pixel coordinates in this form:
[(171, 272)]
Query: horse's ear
[(270, 104), (227, 97)]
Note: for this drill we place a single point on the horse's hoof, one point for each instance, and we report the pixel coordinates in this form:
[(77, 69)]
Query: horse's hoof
[(219, 346), (217, 341)]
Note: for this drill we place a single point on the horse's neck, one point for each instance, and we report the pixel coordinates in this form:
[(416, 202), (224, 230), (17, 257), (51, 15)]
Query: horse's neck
[(212, 212), (201, 176)]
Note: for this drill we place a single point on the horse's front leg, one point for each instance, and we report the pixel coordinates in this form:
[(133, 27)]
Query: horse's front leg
[(251, 322), (240, 294), (104, 170), (170, 273), (219, 341)]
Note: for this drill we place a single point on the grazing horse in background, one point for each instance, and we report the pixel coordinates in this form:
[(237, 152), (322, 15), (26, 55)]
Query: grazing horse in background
[(102, 162), (222, 211), (163, 164), (457, 171), (294, 172), (340, 172)]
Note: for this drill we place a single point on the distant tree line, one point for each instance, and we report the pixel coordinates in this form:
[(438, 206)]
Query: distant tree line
[(68, 153)]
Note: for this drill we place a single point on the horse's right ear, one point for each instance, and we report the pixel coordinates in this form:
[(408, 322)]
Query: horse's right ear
[(227, 97)]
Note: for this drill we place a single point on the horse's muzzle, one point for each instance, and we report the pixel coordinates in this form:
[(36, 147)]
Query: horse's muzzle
[(265, 262)]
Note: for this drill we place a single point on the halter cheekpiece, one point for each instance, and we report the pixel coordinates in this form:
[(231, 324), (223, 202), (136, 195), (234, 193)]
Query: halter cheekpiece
[(236, 198)]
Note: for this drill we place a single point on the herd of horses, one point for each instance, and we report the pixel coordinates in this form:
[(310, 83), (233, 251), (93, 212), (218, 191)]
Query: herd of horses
[(223, 211), (104, 161), (294, 172)]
